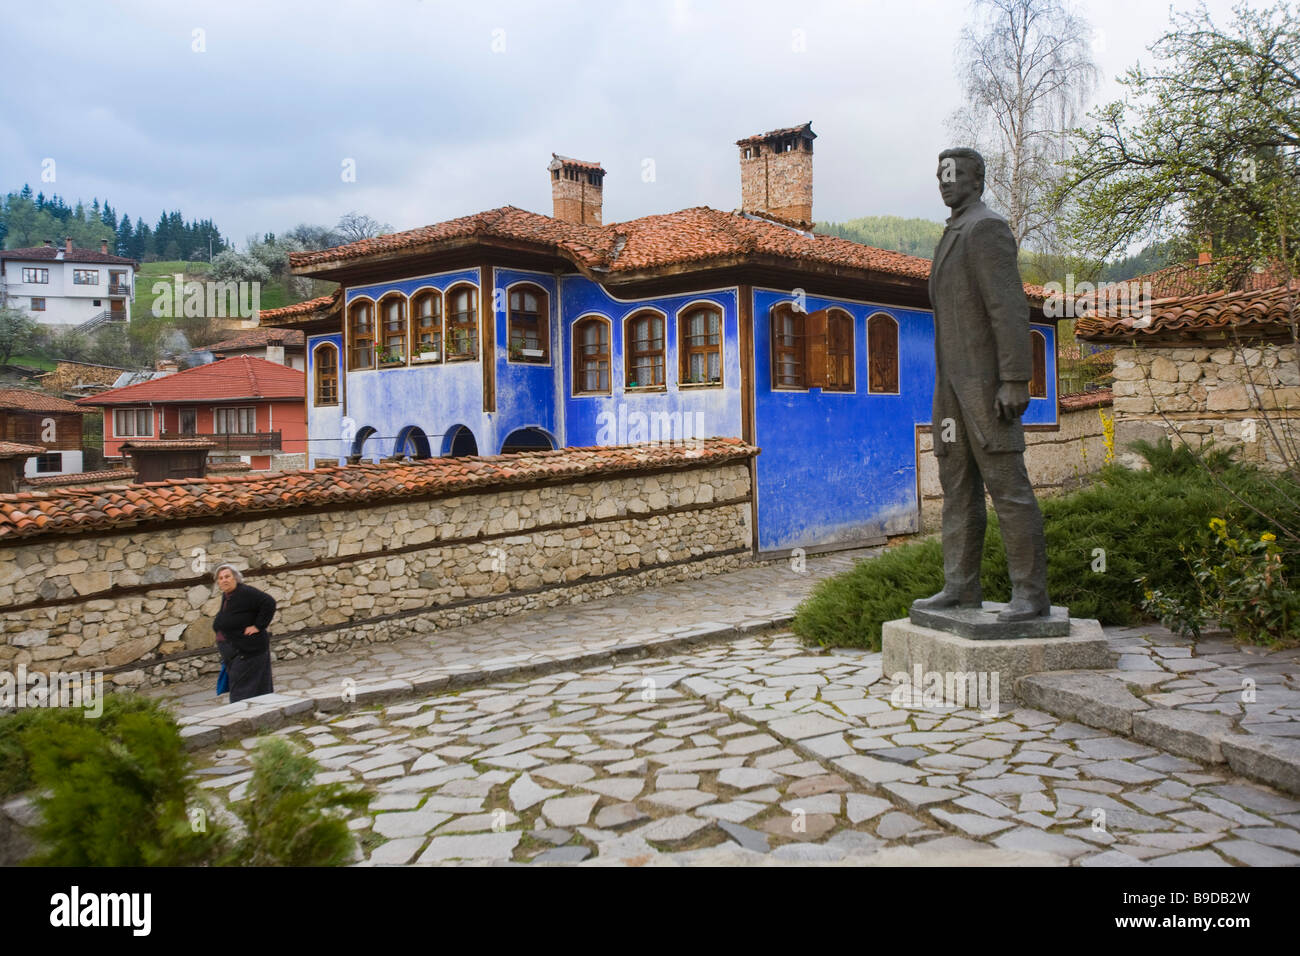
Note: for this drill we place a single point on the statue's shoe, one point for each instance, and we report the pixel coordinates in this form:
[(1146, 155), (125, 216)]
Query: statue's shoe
[(946, 598), (1022, 610)]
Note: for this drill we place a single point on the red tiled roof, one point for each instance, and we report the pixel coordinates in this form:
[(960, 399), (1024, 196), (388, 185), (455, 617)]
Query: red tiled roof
[(301, 310), (29, 400), (257, 338), (13, 449), (239, 377), (700, 236), (570, 161), (51, 254), (1266, 312), (777, 134), (109, 476), (1193, 278), (1080, 400), (30, 514), (168, 444)]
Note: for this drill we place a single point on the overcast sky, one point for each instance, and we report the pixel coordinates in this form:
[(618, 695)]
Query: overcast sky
[(449, 108)]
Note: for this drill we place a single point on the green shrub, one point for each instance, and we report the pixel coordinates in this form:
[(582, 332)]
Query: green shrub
[(288, 818), (116, 794), (1103, 542), (15, 759), (1241, 583)]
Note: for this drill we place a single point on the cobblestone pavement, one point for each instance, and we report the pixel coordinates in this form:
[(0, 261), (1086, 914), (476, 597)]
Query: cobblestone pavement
[(758, 752), (749, 598), (1257, 689)]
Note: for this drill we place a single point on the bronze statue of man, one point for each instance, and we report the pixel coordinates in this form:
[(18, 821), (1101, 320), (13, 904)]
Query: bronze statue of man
[(983, 364)]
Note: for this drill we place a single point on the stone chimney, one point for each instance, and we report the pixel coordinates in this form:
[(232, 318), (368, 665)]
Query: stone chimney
[(167, 366), (103, 246), (776, 174), (577, 190), (275, 346)]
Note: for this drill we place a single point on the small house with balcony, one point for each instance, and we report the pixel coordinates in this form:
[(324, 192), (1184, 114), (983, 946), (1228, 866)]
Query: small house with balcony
[(249, 409), (68, 286), (52, 424), (509, 330)]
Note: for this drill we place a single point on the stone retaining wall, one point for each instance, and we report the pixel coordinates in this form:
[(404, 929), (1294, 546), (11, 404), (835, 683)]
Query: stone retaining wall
[(1054, 459), (138, 602), (1208, 393)]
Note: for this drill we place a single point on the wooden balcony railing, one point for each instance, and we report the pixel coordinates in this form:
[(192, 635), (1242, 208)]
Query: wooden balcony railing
[(259, 443)]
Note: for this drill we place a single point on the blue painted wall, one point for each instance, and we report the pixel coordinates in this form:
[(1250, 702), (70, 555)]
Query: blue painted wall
[(839, 466), (614, 418), (442, 396), (834, 467), (324, 422)]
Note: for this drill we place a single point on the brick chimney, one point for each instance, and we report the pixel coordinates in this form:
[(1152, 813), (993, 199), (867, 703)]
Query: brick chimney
[(67, 244), (776, 173), (577, 190)]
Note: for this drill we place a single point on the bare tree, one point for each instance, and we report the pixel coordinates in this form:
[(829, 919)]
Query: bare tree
[(1028, 72), (354, 226)]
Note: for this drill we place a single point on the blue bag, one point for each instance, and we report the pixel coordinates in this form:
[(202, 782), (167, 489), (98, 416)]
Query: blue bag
[(223, 679)]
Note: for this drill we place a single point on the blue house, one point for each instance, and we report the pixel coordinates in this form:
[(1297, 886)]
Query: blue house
[(509, 330)]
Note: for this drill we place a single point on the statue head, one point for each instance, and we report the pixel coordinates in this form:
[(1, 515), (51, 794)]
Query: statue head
[(960, 175)]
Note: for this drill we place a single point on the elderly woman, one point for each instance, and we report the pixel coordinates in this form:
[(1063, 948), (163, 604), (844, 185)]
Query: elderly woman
[(242, 639)]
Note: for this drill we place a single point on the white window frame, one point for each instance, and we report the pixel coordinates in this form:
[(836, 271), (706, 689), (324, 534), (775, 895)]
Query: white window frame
[(220, 418), (139, 430)]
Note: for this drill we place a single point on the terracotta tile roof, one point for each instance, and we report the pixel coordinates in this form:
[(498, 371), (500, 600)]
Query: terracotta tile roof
[(1080, 400), (13, 449), (168, 444), (300, 311), (109, 476), (1193, 278), (1248, 312), (557, 159), (585, 244), (29, 400), (237, 378), (699, 236), (778, 133), (51, 254), (258, 338), (30, 514)]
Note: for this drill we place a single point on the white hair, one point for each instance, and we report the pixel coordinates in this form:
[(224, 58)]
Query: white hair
[(239, 577)]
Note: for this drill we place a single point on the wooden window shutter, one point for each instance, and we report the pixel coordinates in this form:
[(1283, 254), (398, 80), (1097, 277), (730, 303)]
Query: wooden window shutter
[(1038, 384), (815, 345)]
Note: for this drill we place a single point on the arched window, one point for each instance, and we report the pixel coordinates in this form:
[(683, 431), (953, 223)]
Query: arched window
[(529, 325), (426, 326), (392, 330), (1038, 384), (327, 375), (644, 350), (462, 323), (839, 351), (361, 334), (787, 347), (882, 354), (699, 344), (591, 357)]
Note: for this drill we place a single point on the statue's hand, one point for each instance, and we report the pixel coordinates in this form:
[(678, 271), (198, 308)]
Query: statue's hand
[(1012, 400)]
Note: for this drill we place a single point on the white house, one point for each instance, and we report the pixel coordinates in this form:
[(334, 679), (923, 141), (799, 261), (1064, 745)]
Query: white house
[(68, 287)]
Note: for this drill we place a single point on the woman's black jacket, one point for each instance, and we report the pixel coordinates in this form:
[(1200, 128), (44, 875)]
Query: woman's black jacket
[(246, 606)]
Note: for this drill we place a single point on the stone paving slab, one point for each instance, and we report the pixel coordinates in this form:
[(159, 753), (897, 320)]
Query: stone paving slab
[(1021, 787), (719, 607)]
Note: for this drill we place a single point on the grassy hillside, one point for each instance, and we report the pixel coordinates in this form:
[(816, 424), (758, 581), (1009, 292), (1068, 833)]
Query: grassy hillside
[(915, 237)]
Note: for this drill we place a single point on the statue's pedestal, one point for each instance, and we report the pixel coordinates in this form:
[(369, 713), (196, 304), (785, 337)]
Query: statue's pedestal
[(943, 648)]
